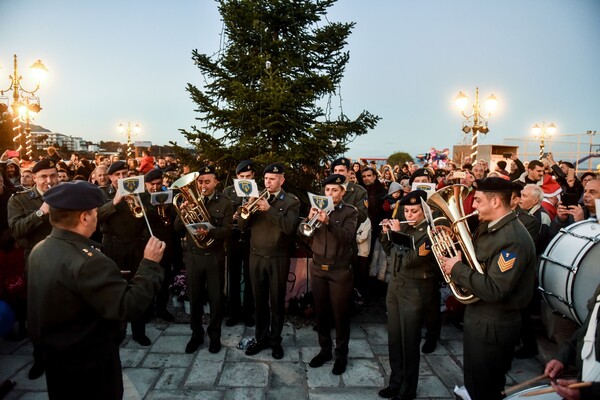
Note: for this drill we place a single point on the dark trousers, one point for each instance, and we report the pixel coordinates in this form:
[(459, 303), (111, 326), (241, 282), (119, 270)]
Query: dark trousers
[(332, 294), (206, 280), (488, 342), (269, 284), (238, 262), (407, 304), (87, 376), (162, 297), (433, 316)]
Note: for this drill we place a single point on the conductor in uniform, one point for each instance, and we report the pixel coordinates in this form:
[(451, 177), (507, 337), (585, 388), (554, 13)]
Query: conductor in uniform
[(331, 273), (272, 229), (78, 298), (492, 325), (414, 282)]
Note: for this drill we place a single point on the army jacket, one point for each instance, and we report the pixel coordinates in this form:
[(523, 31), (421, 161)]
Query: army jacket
[(273, 231), (356, 196), (332, 244), (221, 215), (26, 227), (507, 253), (77, 296), (417, 263), (118, 220)]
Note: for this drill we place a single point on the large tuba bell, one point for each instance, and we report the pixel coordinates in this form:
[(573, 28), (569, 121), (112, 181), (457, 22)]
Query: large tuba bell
[(195, 212), (444, 239)]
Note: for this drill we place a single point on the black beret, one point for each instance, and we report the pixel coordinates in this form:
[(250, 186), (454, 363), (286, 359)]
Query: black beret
[(341, 161), (207, 169), (245, 165), (74, 195), (170, 168), (420, 172), (334, 179), (43, 164), (116, 166), (153, 175), (273, 169), (413, 198), (493, 184), (517, 188)]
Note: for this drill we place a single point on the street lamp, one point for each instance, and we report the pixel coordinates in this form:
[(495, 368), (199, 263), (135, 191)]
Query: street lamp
[(136, 130), (24, 104), (479, 122), (543, 132)]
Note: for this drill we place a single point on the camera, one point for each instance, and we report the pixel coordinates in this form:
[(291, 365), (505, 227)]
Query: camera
[(507, 154)]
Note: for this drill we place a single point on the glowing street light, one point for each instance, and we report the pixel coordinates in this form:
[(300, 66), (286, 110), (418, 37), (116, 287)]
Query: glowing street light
[(543, 132), (136, 130), (475, 122), (24, 104)]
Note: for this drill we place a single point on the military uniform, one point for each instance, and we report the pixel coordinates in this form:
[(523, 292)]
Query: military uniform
[(206, 268), (412, 288), (271, 238), (492, 324), (77, 300), (27, 226), (332, 278), (238, 264), (356, 196)]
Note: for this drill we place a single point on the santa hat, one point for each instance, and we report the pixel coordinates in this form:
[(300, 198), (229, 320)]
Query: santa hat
[(550, 187)]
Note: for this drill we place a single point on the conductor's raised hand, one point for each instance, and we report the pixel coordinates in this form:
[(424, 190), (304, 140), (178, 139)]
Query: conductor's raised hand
[(154, 249)]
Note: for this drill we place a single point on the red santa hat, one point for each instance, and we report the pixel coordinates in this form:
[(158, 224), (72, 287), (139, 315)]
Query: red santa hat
[(550, 187)]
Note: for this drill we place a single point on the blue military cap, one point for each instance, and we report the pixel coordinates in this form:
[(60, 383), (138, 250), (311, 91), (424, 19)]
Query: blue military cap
[(341, 161), (46, 163), (74, 195), (273, 169), (334, 179), (207, 169), (413, 198), (245, 165), (153, 175), (117, 166), (493, 184)]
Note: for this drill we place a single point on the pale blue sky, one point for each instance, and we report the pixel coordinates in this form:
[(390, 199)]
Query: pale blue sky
[(115, 61)]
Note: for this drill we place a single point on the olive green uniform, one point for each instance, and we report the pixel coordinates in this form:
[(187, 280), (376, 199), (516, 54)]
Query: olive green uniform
[(332, 277), (414, 283), (206, 267), (356, 196), (77, 302), (271, 239), (26, 227), (492, 325)]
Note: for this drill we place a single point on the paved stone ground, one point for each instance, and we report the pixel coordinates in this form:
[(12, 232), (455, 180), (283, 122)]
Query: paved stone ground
[(164, 371)]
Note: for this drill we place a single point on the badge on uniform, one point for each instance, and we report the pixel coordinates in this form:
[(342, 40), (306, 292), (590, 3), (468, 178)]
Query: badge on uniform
[(366, 202), (424, 249), (506, 260)]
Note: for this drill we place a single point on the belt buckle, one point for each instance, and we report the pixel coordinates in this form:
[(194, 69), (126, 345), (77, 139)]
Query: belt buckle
[(324, 267)]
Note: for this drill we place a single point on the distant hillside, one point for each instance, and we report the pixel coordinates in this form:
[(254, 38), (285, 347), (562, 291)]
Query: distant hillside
[(38, 128)]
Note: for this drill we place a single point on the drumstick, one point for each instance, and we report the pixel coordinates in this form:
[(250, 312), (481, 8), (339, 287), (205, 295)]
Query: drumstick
[(521, 385), (551, 389)]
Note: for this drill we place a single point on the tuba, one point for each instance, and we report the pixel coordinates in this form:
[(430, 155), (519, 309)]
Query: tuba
[(250, 207), (195, 212), (445, 239)]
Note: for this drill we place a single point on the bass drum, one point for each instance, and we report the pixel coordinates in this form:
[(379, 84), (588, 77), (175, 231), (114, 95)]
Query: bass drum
[(528, 394), (570, 269)]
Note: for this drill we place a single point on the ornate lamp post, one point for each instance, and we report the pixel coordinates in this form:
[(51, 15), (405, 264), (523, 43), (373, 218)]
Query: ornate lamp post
[(24, 105), (475, 122), (128, 129), (544, 132)]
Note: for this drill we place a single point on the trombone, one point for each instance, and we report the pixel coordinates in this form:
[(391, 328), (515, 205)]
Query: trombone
[(251, 207)]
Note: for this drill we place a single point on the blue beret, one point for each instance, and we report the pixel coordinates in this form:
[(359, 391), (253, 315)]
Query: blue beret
[(116, 166), (334, 179), (208, 169), (153, 175), (245, 165), (493, 184), (341, 161), (273, 169), (74, 195), (46, 163), (413, 198)]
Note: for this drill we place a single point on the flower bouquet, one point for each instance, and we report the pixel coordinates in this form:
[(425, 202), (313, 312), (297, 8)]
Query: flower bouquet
[(179, 287)]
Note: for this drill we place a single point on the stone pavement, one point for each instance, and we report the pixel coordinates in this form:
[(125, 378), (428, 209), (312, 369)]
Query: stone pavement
[(164, 371)]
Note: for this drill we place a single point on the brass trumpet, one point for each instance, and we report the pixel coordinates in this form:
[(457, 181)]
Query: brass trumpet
[(309, 227), (135, 206), (251, 207)]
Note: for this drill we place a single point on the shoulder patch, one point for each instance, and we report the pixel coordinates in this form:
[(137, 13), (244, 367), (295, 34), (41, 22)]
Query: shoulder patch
[(506, 260), (366, 202), (424, 249)]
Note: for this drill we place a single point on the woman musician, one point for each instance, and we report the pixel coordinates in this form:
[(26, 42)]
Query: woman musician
[(412, 292)]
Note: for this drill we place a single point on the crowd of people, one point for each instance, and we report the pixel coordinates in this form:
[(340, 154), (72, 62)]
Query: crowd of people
[(97, 259)]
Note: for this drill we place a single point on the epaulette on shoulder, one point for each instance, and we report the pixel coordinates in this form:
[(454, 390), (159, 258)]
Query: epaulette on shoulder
[(292, 195)]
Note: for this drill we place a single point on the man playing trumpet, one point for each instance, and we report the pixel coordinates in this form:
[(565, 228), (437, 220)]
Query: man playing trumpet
[(331, 273)]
